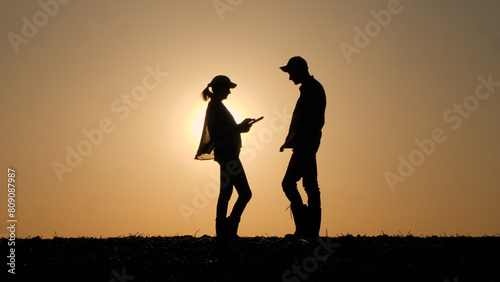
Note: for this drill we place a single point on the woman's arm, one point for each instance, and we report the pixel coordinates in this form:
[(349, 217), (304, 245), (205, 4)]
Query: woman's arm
[(221, 123)]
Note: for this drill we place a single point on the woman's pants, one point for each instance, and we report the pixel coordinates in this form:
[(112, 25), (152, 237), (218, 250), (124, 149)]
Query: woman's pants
[(231, 174)]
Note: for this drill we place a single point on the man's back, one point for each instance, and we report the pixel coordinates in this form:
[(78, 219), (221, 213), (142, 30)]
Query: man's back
[(310, 114)]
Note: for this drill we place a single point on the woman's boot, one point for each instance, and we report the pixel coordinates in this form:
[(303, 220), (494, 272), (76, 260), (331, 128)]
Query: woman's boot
[(232, 224), (221, 227)]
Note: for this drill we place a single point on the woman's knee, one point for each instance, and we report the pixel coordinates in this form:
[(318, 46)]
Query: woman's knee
[(246, 196), (288, 185), (225, 194)]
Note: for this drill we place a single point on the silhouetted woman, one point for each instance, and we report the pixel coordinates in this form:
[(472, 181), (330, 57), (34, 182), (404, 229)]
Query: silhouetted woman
[(221, 141)]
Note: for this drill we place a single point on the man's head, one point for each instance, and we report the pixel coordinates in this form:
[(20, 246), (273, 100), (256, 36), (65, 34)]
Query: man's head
[(297, 69)]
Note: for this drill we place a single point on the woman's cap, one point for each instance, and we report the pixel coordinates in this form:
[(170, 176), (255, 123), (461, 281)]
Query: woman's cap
[(222, 79), (295, 63)]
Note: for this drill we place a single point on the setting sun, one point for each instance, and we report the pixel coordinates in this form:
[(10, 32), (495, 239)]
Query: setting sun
[(102, 112), (115, 101), (198, 118)]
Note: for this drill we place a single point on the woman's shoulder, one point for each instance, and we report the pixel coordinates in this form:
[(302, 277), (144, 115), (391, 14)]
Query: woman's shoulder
[(214, 108), (214, 104)]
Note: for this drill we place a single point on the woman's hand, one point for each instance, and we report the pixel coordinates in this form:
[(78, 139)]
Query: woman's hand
[(245, 125)]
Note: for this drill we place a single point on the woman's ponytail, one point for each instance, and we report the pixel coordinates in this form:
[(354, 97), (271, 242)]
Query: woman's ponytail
[(206, 94)]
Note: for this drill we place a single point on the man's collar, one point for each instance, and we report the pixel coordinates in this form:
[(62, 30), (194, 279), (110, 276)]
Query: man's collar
[(307, 81)]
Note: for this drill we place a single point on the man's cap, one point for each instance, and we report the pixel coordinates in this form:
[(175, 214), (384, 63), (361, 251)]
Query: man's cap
[(222, 79), (297, 63)]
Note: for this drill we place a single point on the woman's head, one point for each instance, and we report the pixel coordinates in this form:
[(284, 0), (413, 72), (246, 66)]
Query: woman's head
[(221, 87)]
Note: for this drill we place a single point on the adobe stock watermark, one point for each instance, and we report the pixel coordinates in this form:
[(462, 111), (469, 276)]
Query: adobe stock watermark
[(363, 37), (122, 107), (453, 116), (121, 277), (309, 265), (256, 142), (48, 9), (223, 6), (12, 221)]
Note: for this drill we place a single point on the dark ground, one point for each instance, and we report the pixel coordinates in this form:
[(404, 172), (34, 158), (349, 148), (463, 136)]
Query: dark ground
[(187, 258)]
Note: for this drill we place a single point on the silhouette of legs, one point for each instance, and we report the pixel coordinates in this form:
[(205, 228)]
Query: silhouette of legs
[(310, 182), (307, 218), (231, 174)]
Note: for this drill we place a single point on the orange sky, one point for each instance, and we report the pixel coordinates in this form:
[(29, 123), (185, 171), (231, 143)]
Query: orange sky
[(101, 113)]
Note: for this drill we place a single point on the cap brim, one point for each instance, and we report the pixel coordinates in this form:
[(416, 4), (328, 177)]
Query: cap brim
[(231, 84), (285, 68)]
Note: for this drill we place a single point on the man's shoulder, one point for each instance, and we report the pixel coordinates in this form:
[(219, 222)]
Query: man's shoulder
[(314, 86), (317, 84), (312, 82)]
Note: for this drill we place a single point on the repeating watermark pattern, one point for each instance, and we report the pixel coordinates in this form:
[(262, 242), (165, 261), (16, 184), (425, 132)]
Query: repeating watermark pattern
[(363, 37), (123, 277), (30, 27), (310, 264), (453, 116), (122, 107), (11, 222), (277, 123), (223, 6)]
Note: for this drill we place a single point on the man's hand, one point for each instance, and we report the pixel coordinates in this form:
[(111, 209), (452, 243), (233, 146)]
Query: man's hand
[(245, 125)]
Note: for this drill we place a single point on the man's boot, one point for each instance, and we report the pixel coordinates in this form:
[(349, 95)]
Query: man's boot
[(299, 217), (313, 222)]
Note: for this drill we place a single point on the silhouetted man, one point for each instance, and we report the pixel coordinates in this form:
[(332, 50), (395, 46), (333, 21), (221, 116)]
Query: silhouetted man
[(304, 138)]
